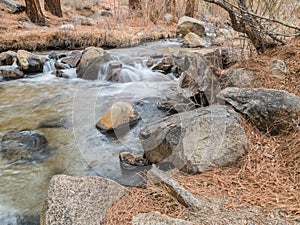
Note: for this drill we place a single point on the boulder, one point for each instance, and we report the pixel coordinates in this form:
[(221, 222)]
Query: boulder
[(197, 81), (10, 72), (79, 200), (269, 109), (152, 218), (278, 69), (120, 114), (164, 65), (188, 24), (7, 58), (72, 59), (29, 63), (23, 146), (197, 140), (90, 63), (238, 77), (133, 160), (192, 40)]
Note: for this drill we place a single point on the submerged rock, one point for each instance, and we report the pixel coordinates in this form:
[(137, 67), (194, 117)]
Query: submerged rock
[(130, 159), (79, 200), (187, 24), (90, 63), (269, 109), (197, 140), (23, 146), (120, 114), (10, 72)]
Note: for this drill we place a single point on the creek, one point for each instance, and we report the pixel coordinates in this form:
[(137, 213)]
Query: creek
[(76, 147)]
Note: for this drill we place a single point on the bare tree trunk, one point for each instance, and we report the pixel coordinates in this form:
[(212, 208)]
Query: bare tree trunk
[(54, 7), (34, 12), (171, 7), (135, 5), (190, 8)]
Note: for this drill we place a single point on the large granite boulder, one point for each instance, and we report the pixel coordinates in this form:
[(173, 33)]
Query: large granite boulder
[(198, 81), (188, 24), (23, 146), (120, 114), (79, 200), (269, 109), (197, 140), (11, 72), (91, 62), (29, 63), (153, 218)]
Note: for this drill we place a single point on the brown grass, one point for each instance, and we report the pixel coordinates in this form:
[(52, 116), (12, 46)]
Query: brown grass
[(137, 200)]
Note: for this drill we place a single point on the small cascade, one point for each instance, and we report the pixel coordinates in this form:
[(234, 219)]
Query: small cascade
[(49, 66), (116, 71)]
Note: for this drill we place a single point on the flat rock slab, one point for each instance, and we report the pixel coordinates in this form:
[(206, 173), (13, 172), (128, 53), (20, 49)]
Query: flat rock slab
[(269, 109), (79, 200)]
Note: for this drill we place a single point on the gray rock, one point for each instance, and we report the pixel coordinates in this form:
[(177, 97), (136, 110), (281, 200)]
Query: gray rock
[(156, 218), (85, 21), (187, 24), (176, 103), (10, 72), (198, 79), (239, 77), (61, 66), (79, 200), (157, 176), (72, 59), (23, 146), (55, 122), (193, 40), (112, 71), (29, 63), (90, 63), (197, 140), (278, 69), (7, 58), (269, 109)]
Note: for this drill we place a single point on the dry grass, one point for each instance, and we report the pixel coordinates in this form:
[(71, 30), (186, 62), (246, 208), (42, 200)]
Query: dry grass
[(138, 200)]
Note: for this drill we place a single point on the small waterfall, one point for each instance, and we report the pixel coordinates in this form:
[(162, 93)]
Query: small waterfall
[(115, 71), (49, 66)]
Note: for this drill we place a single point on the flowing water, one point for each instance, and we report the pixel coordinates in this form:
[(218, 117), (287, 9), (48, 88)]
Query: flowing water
[(76, 146)]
